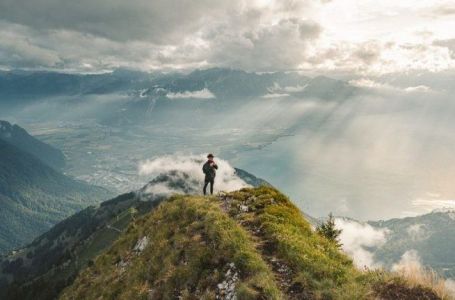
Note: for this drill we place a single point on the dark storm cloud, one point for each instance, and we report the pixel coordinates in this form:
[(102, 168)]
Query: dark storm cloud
[(157, 21), (257, 35), (18, 49), (100, 34)]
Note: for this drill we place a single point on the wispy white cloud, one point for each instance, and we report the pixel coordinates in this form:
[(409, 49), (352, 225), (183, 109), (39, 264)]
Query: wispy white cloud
[(202, 94), (450, 286), (409, 261), (410, 266), (275, 95), (381, 86), (418, 89)]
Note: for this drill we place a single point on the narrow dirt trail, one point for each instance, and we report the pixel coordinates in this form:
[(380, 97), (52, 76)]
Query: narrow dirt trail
[(267, 249)]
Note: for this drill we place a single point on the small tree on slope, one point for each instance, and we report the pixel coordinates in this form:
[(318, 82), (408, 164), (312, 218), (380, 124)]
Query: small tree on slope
[(329, 230)]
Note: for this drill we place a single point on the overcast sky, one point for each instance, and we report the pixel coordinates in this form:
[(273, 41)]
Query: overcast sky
[(343, 36)]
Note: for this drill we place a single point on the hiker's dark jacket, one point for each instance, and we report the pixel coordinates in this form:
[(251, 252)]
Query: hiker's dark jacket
[(209, 170)]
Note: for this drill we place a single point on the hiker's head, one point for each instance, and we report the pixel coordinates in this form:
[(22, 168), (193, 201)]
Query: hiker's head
[(210, 156)]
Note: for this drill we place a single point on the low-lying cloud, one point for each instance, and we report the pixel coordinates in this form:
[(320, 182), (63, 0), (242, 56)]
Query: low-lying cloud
[(360, 239), (226, 179), (410, 266), (410, 260), (357, 238)]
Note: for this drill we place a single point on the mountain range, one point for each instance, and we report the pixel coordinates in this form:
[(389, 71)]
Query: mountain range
[(125, 97), (223, 83), (430, 236)]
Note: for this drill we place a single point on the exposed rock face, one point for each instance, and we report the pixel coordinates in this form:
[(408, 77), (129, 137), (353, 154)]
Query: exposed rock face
[(226, 289), (141, 244)]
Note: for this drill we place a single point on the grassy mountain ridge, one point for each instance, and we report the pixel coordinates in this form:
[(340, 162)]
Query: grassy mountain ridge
[(47, 265), (252, 244), (248, 244)]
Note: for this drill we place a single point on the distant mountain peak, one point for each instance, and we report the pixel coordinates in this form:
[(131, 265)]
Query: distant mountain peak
[(34, 196), (19, 137), (449, 210)]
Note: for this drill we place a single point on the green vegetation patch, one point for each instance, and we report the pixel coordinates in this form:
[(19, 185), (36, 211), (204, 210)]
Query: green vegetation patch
[(252, 244), (318, 270), (192, 248)]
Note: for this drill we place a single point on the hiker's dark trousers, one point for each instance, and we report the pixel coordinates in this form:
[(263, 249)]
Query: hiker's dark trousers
[(206, 183)]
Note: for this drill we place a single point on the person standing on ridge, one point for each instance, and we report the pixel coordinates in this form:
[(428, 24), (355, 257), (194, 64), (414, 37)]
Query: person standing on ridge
[(209, 170)]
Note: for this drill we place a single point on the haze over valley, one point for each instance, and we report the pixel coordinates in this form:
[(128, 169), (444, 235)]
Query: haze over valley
[(334, 146)]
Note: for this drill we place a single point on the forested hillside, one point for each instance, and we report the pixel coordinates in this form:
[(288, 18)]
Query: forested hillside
[(34, 197)]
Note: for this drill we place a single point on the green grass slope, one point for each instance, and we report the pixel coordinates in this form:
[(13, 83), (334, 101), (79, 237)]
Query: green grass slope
[(249, 244), (42, 269)]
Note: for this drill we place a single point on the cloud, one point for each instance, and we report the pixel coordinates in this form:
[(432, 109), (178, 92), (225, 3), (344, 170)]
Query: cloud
[(275, 95), (368, 53), (316, 35), (429, 205), (357, 238), (371, 84), (287, 89), (161, 22), (163, 34), (443, 10), (226, 179), (25, 47), (386, 87), (417, 231), (450, 286), (449, 44), (418, 89), (376, 57), (410, 266), (409, 261), (275, 47), (202, 94), (17, 49)]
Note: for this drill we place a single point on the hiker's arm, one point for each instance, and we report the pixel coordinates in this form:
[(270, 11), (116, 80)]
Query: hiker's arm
[(215, 166)]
